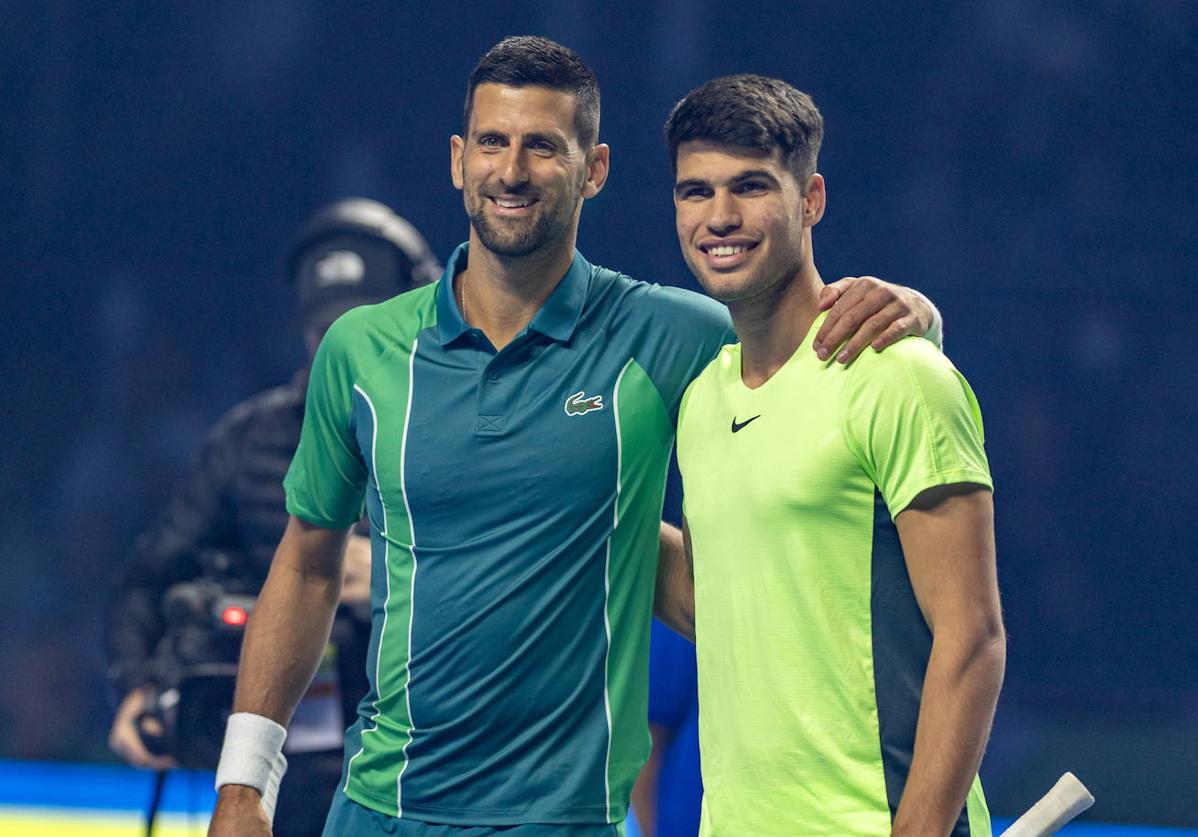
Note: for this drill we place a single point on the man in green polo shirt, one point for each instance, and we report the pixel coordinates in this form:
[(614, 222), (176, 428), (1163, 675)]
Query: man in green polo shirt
[(849, 638)]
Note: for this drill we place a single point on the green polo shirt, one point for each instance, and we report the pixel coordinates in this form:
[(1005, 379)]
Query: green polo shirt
[(514, 499)]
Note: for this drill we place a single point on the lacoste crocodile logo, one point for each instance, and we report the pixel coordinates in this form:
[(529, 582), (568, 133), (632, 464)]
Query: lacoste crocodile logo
[(579, 404)]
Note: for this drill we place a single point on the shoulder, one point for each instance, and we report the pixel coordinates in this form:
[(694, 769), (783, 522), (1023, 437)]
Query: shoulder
[(414, 309), (667, 307), (912, 377), (913, 361), (371, 330)]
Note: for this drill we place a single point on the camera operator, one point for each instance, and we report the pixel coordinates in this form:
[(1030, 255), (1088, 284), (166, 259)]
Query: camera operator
[(231, 505)]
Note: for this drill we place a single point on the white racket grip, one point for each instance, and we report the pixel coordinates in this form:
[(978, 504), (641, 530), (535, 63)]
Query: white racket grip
[(1068, 798)]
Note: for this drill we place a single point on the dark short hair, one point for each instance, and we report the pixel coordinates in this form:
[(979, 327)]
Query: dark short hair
[(529, 60), (750, 111)]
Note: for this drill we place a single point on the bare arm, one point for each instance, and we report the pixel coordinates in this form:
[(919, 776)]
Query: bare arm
[(290, 627), (865, 311), (674, 596), (644, 791), (283, 645), (947, 535)]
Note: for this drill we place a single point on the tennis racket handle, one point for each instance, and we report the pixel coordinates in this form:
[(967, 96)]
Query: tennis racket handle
[(1066, 800)]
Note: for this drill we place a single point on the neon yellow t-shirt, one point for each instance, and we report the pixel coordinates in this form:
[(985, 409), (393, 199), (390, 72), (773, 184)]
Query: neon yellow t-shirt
[(811, 646)]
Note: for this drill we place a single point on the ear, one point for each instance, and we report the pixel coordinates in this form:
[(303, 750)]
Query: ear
[(815, 198), (598, 163), (457, 147)]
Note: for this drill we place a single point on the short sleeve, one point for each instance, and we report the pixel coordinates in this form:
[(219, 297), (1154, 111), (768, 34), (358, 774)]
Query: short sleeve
[(327, 477), (914, 422), (686, 332)]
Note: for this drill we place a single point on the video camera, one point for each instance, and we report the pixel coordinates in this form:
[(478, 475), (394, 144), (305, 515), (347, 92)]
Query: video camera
[(194, 668)]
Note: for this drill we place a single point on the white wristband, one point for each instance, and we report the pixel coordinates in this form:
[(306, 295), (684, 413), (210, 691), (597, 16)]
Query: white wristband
[(252, 755), (270, 796)]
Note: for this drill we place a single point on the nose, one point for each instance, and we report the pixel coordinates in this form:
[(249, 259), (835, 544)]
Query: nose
[(724, 214), (513, 170)]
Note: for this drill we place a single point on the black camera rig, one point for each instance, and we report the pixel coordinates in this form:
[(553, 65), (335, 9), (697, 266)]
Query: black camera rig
[(194, 668)]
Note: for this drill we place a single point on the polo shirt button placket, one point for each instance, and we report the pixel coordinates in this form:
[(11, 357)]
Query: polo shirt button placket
[(491, 409)]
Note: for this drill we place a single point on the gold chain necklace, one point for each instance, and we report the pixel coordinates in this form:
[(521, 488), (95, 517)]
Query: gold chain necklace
[(463, 295)]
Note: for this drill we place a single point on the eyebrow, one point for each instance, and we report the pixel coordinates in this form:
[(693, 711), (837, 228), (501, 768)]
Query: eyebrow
[(541, 136), (682, 185), (751, 173), (739, 177), (533, 136)]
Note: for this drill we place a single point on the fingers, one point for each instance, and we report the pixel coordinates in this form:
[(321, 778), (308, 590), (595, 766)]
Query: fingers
[(896, 331), (830, 293), (127, 744), (859, 299), (868, 312), (124, 740), (878, 331)]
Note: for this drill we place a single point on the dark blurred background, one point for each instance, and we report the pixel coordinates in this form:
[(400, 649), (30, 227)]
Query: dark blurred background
[(1030, 166)]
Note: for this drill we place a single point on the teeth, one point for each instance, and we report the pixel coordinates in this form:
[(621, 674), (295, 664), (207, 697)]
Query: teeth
[(512, 204), (726, 249)]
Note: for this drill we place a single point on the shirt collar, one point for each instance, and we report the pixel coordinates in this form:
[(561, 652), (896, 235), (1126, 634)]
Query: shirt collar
[(557, 319), (450, 325)]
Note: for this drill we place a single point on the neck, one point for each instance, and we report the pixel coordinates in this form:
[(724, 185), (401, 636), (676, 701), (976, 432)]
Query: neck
[(503, 293), (772, 327)]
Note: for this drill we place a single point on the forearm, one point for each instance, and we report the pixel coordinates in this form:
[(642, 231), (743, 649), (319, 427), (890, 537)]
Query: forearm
[(289, 629), (960, 691), (674, 594), (283, 645)]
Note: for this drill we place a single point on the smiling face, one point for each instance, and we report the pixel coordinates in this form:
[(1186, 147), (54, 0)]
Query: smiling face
[(743, 221), (521, 169)]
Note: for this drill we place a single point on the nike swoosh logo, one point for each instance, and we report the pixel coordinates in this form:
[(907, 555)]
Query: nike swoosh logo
[(738, 427)]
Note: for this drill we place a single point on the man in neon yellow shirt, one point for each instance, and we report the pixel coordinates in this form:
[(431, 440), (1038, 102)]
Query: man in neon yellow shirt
[(846, 610)]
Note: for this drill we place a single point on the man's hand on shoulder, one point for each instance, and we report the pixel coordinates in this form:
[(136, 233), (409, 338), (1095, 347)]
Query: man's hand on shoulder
[(865, 311), (239, 813)]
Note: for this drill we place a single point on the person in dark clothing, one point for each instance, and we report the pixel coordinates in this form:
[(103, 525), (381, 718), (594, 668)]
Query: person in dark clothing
[(231, 504)]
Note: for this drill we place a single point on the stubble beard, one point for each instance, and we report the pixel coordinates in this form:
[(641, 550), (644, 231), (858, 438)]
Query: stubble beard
[(522, 238)]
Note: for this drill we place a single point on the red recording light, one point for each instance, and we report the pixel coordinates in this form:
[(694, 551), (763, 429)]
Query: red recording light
[(234, 616)]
